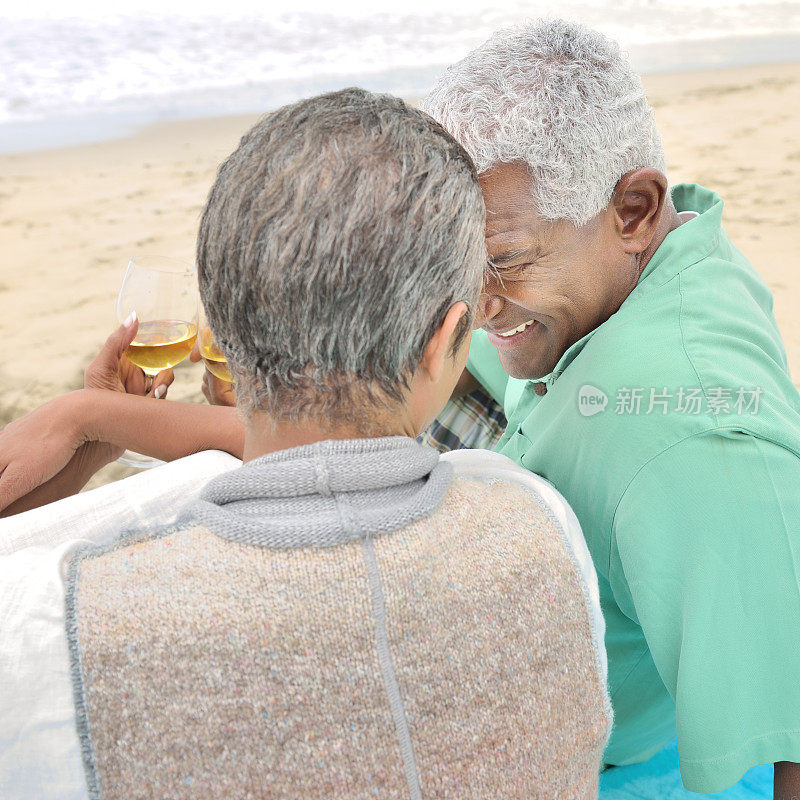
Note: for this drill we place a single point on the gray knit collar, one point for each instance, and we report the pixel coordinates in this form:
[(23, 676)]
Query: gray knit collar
[(324, 494)]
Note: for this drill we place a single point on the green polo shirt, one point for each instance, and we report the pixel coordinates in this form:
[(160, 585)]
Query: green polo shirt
[(673, 430)]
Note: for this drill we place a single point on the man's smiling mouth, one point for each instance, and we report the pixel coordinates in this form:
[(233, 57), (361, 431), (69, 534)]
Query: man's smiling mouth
[(518, 329), (513, 337)]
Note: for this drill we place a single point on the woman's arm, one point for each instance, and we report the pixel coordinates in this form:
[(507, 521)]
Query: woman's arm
[(163, 429), (42, 445), (87, 460)]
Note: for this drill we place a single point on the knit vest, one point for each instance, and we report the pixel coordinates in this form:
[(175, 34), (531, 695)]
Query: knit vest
[(344, 620)]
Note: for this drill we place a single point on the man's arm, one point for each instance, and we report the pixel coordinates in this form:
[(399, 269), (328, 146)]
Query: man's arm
[(42, 445), (787, 781), (706, 563)]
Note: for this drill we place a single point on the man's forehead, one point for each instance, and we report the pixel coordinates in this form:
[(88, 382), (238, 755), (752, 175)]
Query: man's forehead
[(507, 191), (512, 220), (516, 235)]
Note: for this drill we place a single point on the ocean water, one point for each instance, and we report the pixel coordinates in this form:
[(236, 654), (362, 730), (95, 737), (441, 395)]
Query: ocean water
[(73, 71)]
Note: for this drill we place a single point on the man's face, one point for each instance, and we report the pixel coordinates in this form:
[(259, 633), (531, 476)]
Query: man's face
[(559, 280)]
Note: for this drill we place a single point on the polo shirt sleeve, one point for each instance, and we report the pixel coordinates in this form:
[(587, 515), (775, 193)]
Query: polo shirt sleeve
[(707, 560), (484, 364)]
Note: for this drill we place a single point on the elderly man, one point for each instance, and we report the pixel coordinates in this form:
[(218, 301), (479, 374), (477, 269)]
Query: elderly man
[(332, 619), (635, 353)]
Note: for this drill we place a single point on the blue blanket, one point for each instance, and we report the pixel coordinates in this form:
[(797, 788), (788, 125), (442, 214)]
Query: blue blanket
[(659, 779)]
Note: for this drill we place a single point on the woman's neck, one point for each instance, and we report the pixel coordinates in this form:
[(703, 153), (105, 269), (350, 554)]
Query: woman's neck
[(263, 435)]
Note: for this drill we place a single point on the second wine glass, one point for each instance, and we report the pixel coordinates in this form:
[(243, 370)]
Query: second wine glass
[(209, 351)]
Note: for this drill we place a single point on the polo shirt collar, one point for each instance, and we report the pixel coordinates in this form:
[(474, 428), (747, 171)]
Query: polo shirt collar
[(681, 248), (690, 242)]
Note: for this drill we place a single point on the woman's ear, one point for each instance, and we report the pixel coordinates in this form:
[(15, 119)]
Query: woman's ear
[(440, 345)]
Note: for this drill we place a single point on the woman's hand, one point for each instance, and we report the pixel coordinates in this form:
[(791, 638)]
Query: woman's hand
[(87, 459), (47, 454), (40, 445), (112, 369)]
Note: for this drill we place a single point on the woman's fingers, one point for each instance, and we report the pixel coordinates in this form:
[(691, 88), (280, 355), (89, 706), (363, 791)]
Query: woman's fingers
[(103, 372), (161, 384)]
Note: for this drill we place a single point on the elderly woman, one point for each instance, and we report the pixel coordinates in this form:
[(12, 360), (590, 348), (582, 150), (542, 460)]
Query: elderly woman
[(348, 614)]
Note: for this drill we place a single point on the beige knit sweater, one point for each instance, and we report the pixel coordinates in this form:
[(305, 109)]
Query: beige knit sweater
[(453, 657)]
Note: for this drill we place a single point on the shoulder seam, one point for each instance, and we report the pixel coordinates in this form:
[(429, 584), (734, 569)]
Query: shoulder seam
[(636, 474), (126, 538), (719, 429), (683, 341)]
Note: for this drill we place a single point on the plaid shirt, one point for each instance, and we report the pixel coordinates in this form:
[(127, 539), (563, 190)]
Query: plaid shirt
[(473, 421)]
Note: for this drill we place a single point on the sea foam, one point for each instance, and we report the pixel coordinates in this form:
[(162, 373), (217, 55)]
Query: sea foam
[(164, 60)]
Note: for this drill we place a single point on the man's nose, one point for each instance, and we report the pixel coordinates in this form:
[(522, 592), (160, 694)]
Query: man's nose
[(489, 306)]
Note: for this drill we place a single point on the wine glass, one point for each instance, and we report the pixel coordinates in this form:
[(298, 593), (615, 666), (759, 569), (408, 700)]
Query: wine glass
[(163, 293), (209, 352)]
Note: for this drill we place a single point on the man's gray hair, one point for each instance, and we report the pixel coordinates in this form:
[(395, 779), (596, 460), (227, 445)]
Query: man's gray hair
[(560, 98), (334, 241)]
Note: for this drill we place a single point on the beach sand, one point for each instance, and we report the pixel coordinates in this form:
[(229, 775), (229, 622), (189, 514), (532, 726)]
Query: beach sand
[(71, 218)]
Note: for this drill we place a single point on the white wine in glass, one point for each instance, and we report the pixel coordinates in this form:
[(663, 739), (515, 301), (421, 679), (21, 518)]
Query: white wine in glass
[(161, 343), (210, 353), (163, 293)]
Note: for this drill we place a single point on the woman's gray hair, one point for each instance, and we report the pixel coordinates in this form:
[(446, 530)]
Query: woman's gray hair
[(333, 243), (560, 98)]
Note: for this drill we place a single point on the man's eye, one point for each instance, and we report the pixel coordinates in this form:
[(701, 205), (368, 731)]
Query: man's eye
[(507, 272)]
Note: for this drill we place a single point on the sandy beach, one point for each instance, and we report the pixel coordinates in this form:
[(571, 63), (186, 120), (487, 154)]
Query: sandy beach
[(71, 218)]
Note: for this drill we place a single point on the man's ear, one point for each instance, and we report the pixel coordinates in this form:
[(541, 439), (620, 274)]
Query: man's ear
[(438, 348), (637, 201)]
